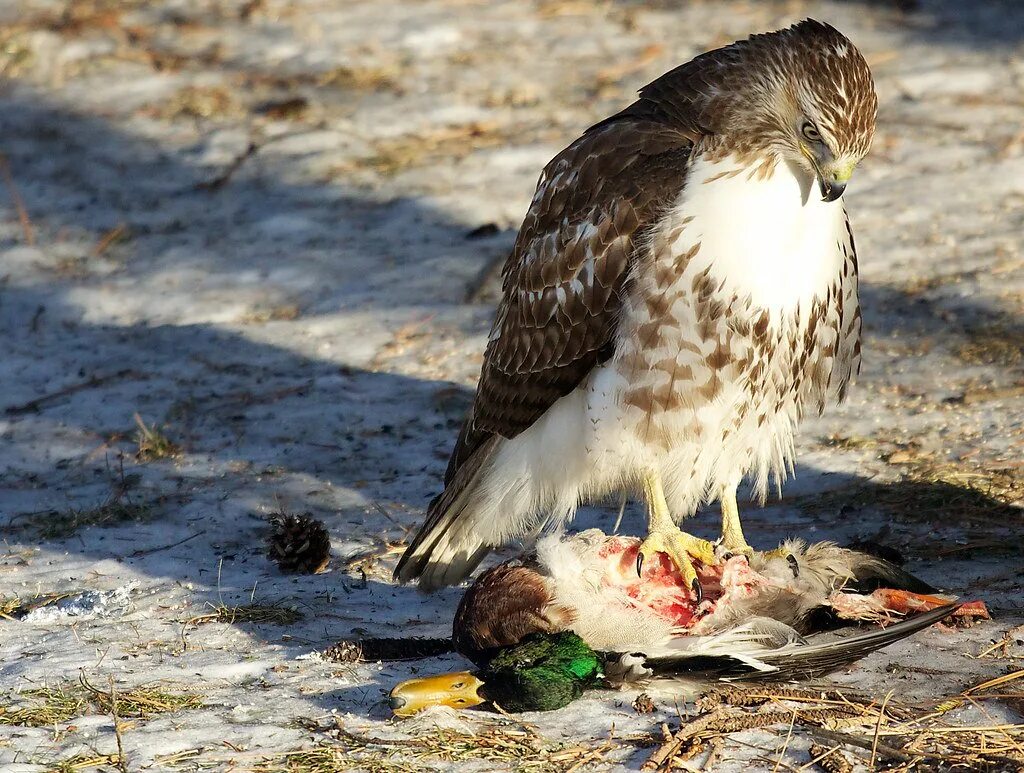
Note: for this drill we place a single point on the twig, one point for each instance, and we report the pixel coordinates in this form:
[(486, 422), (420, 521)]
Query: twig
[(866, 743), (999, 680), (722, 721), (34, 405), (878, 728), (225, 176), (109, 238), (380, 509), (594, 755), (366, 740), (150, 551), (122, 762), (785, 745), (671, 745), (19, 205), (714, 749), (33, 325), (251, 150)]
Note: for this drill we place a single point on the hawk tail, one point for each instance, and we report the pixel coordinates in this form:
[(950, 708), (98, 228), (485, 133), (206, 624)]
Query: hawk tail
[(447, 548)]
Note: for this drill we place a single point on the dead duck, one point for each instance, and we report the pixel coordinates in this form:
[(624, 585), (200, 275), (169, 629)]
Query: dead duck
[(575, 616)]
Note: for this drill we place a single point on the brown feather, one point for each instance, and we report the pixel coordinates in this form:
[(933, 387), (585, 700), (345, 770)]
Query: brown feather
[(505, 604), (554, 324)]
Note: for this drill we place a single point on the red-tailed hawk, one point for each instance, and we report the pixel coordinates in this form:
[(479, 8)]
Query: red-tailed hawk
[(683, 288)]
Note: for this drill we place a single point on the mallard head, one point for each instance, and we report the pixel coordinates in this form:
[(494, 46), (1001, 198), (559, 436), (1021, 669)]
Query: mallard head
[(542, 673)]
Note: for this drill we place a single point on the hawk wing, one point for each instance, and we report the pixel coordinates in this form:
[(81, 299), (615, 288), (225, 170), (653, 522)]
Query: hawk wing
[(564, 281), (562, 290)]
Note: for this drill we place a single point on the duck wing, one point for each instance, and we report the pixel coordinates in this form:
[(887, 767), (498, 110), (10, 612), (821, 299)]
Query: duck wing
[(764, 649)]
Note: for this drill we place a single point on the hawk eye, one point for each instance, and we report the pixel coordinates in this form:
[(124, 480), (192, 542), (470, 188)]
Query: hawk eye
[(810, 132)]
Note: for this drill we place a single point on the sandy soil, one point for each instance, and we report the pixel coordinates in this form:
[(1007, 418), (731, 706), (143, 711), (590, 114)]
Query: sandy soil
[(265, 228)]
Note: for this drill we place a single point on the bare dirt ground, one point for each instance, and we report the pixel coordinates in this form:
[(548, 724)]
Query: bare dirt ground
[(264, 228)]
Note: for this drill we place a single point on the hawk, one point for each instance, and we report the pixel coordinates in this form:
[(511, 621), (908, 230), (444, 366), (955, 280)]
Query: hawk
[(682, 289)]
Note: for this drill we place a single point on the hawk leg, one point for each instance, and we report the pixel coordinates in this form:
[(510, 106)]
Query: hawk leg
[(732, 532), (663, 536)]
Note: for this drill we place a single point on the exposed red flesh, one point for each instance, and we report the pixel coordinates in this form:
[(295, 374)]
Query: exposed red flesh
[(903, 602), (661, 588)]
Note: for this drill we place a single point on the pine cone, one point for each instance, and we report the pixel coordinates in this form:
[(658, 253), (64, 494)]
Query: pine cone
[(643, 704), (299, 544), (830, 760)]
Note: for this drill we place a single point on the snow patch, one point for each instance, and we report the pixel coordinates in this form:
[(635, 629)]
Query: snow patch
[(106, 604)]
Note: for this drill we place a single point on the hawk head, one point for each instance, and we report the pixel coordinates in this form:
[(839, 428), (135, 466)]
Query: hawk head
[(802, 95), (824, 104)]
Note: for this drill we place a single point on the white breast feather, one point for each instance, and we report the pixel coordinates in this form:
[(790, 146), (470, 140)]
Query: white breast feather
[(773, 239)]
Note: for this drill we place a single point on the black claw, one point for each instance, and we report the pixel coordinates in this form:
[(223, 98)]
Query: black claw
[(639, 563), (697, 590), (793, 564)]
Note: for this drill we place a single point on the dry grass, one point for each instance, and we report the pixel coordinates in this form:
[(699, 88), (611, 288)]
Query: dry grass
[(57, 524), (327, 758), (48, 706), (882, 732), (450, 142), (87, 762), (283, 312), (43, 706), (119, 507), (993, 346), (9, 605), (495, 745), (849, 442), (142, 702), (274, 614), (363, 79), (197, 102), (16, 52), (153, 443), (15, 608)]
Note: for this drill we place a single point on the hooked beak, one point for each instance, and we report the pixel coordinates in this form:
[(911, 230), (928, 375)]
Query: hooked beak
[(832, 175), (458, 690), (830, 189)]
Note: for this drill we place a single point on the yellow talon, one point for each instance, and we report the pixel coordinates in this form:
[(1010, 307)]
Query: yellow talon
[(780, 552), (682, 548), (663, 536)]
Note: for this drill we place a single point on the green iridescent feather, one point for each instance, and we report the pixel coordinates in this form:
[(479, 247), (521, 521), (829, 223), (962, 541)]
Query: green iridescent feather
[(541, 673)]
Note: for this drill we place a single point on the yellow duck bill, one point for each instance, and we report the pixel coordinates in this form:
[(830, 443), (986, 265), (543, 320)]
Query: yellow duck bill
[(459, 690)]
